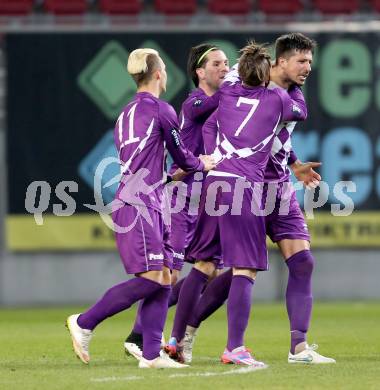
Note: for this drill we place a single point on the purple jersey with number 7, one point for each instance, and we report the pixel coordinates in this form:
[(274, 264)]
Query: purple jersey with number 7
[(245, 124)]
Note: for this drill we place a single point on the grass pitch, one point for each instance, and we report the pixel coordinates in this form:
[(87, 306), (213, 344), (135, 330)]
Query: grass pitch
[(35, 352)]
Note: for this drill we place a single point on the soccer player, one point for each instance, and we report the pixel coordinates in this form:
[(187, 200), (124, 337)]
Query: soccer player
[(294, 54), (245, 124), (207, 67), (143, 129)]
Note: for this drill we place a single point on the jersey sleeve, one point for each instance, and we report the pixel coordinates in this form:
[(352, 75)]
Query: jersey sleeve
[(201, 106), (209, 133), (181, 156), (232, 76), (292, 157), (293, 104)]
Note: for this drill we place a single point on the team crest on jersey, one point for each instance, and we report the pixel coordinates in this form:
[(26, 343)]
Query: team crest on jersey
[(197, 103), (175, 136), (296, 109)]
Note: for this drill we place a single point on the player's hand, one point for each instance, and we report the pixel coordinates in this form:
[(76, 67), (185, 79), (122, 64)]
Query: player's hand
[(304, 172), (179, 175), (208, 161)]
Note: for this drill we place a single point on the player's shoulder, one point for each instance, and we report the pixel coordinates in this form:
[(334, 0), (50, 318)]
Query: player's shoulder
[(230, 88), (165, 106), (147, 101), (195, 97), (166, 110), (277, 93)]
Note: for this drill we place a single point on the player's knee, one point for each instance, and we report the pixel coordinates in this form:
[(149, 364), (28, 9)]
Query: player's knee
[(207, 267), (248, 272), (216, 273), (304, 266)]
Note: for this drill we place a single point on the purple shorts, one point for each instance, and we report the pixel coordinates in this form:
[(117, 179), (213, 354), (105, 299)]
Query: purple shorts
[(182, 227), (144, 245), (238, 235), (287, 220)]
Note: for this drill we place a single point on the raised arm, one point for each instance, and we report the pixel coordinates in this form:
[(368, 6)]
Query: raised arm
[(232, 76), (181, 156), (201, 106), (293, 104)]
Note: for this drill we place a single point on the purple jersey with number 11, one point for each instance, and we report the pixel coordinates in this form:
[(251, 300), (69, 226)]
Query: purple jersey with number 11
[(145, 128)]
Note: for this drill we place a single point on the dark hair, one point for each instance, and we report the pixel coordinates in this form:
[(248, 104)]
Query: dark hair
[(153, 63), (198, 59), (254, 64), (286, 44)]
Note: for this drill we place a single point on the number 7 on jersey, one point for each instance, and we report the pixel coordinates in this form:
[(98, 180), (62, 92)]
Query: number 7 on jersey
[(254, 103)]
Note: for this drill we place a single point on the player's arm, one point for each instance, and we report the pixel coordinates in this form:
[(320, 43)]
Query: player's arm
[(293, 104), (209, 133), (199, 107), (232, 76), (204, 106), (181, 156)]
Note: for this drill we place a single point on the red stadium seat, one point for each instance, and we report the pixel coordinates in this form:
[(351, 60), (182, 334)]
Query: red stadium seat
[(334, 7), (375, 4), (280, 7), (120, 7), (65, 7), (171, 7), (16, 7), (229, 7)]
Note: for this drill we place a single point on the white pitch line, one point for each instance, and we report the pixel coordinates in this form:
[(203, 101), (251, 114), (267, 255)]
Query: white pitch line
[(238, 371), (117, 378)]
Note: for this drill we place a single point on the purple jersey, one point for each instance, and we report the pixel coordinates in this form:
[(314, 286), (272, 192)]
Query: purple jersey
[(195, 110), (145, 128), (281, 154), (245, 125)]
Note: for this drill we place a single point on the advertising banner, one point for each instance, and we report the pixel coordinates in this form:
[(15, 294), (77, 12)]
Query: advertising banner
[(66, 90)]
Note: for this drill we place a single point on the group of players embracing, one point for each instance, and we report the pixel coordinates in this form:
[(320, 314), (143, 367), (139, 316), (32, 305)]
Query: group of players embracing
[(236, 128)]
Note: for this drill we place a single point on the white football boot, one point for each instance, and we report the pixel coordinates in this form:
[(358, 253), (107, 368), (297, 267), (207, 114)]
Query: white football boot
[(80, 337), (309, 356), (133, 350), (162, 361)]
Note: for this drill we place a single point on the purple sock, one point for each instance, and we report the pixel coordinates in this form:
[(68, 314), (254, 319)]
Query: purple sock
[(173, 299), (299, 298), (153, 316), (212, 299), (116, 299), (238, 309), (137, 327), (188, 297)]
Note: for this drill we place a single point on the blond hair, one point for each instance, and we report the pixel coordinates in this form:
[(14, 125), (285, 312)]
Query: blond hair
[(142, 63)]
